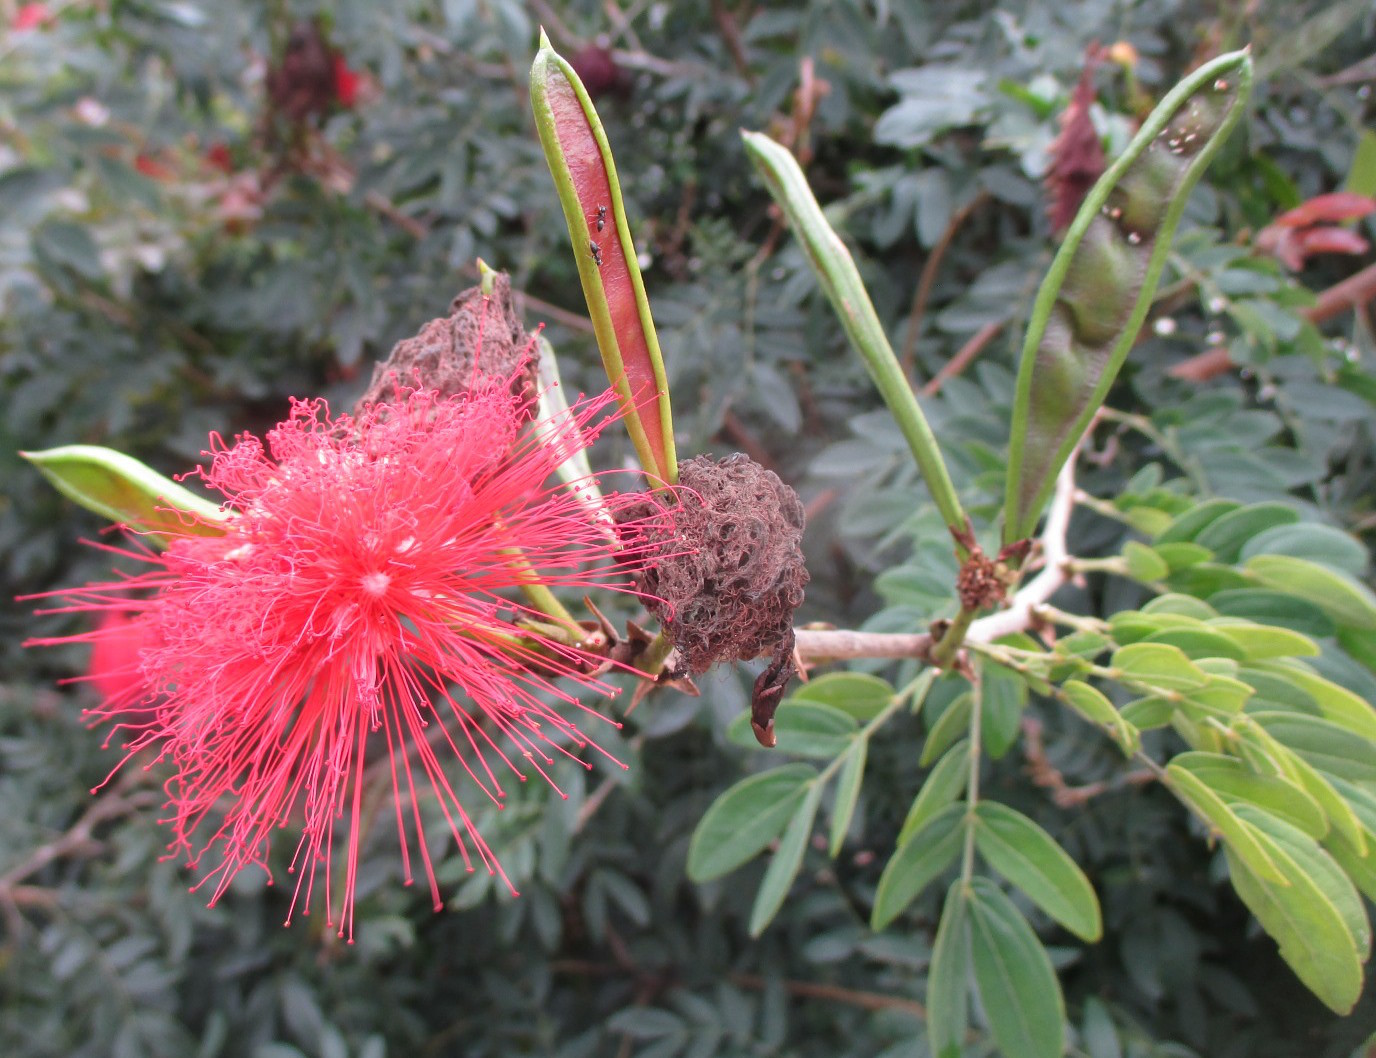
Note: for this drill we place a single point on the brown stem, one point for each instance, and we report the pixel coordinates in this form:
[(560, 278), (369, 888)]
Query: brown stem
[(1353, 292), (817, 645), (850, 996), (622, 22), (805, 989), (538, 306), (1046, 775), (908, 359), (1202, 366), (965, 355), (78, 839), (740, 435), (557, 27), (385, 207), (731, 37)]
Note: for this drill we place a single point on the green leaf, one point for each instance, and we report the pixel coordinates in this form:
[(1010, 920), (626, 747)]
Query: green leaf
[(1144, 564), (1198, 642), (1182, 554), (1361, 174), (1029, 858), (1276, 691), (813, 730), (1004, 697), (1017, 985), (745, 818), (1210, 807), (847, 793), (1237, 784), (1147, 714), (1335, 703), (802, 728), (1087, 645), (1273, 608), (1097, 1033), (1345, 600), (580, 160), (950, 726), (1341, 817), (932, 848), (1360, 645), (1221, 698), (1313, 936), (1206, 579), (1358, 866), (62, 243), (1103, 279), (1226, 536), (1157, 666), (1313, 541), (119, 487), (1180, 606), (1361, 798), (1356, 857), (1146, 520), (943, 784), (1191, 523), (1264, 641), (1325, 745), (858, 693), (1094, 706), (783, 868), (948, 990), (646, 1023), (1318, 867)]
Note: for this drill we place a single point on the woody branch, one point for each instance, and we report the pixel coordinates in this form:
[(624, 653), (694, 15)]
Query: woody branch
[(818, 645)]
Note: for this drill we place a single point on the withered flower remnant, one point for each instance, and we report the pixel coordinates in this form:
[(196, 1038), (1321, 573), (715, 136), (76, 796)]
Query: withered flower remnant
[(482, 333), (725, 571)]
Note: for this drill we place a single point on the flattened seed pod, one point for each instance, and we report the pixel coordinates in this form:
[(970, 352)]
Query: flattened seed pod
[(1101, 284)]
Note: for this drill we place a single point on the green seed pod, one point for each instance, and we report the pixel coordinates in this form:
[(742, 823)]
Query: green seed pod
[(1189, 129), (119, 487), (1101, 284), (1139, 201), (1063, 368)]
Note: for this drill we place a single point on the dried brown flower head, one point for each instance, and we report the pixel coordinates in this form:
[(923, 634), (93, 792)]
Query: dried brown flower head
[(482, 332)]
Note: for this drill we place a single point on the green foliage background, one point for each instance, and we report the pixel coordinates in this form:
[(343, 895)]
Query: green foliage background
[(137, 316)]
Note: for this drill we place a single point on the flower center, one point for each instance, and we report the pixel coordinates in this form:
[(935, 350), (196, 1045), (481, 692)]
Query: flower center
[(375, 584)]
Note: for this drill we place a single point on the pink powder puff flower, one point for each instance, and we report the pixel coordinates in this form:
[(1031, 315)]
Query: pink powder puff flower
[(360, 602), (116, 671)]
